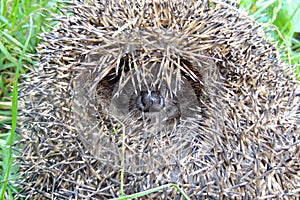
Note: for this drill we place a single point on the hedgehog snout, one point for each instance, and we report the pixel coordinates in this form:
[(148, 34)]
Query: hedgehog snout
[(151, 101)]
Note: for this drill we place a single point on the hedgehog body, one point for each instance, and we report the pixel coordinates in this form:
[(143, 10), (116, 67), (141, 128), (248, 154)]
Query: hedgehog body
[(185, 92)]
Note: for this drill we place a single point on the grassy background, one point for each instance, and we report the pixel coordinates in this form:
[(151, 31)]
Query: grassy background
[(22, 21), (20, 24), (281, 18)]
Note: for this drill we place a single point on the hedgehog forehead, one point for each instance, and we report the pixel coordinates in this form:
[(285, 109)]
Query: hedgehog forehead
[(152, 43), (152, 69), (150, 75)]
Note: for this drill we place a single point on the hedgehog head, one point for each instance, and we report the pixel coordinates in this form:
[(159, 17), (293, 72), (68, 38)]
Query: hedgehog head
[(144, 76)]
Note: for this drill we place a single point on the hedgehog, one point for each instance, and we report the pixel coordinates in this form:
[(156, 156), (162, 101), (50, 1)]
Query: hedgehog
[(132, 95)]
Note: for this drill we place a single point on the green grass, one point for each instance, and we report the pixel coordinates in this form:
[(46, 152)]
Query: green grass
[(153, 190), (20, 24), (22, 21), (281, 19)]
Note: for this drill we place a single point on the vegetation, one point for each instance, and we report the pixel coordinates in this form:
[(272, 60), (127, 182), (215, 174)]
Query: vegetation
[(281, 19), (22, 21), (20, 24)]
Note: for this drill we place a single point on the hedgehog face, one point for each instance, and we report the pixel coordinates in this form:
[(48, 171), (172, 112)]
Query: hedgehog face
[(149, 98), (140, 92), (143, 97)]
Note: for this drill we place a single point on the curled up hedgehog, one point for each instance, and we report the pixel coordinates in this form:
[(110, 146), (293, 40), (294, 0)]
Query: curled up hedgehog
[(130, 95)]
